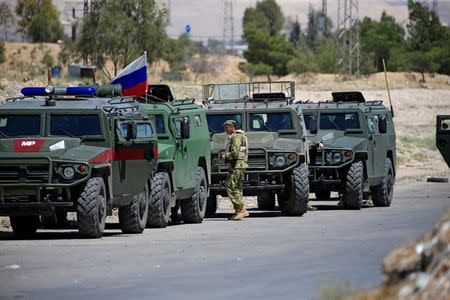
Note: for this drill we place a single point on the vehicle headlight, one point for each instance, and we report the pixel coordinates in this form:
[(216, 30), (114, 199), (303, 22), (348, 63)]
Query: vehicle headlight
[(68, 172), (280, 161), (336, 157)]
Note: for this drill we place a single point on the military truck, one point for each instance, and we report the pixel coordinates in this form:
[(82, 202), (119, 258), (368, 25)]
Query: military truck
[(184, 158), (62, 149), (351, 149), (276, 157), (443, 136)]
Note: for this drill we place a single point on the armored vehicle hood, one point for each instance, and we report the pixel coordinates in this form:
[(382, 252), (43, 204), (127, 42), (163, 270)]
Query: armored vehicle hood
[(63, 148), (270, 141), (337, 139)]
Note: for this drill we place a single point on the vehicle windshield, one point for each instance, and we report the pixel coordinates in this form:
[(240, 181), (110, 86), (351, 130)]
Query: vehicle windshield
[(270, 121), (215, 121), (20, 125), (339, 121), (75, 125)]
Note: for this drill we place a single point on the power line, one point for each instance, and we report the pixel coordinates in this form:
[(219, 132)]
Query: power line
[(228, 24), (348, 61)]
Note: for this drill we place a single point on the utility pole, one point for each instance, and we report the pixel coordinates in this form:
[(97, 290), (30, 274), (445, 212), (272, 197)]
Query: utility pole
[(322, 20), (228, 25), (348, 61), (435, 7)]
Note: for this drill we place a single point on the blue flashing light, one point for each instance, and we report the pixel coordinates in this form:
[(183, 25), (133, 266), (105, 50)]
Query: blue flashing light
[(50, 90), (81, 90), (33, 91)]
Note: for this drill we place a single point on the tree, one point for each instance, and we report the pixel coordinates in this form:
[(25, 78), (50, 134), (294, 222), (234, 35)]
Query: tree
[(266, 47), (120, 31), (428, 41), (303, 62), (178, 52), (6, 17), (266, 16), (294, 35), (39, 20), (378, 39)]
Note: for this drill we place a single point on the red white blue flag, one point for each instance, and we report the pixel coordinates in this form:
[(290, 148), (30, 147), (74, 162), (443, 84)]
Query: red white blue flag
[(134, 77)]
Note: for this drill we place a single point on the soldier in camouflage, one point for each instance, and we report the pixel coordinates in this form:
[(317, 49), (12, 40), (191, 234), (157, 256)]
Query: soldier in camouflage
[(236, 156)]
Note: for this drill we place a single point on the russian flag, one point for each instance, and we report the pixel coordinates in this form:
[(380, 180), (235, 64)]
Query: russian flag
[(133, 78)]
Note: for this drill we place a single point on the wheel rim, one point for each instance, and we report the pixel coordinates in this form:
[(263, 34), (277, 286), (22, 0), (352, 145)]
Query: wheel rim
[(101, 208), (143, 199), (202, 195), (166, 196)]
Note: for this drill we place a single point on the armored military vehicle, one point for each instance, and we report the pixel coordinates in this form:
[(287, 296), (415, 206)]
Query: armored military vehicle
[(443, 136), (184, 158), (62, 149), (276, 157), (351, 149)]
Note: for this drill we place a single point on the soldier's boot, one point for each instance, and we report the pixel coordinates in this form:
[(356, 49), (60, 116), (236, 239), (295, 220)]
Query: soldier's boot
[(311, 208), (241, 213), (245, 212), (233, 215)]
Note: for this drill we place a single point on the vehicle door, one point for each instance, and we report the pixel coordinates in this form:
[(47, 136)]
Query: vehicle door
[(182, 127), (443, 136), (377, 125), (134, 149)]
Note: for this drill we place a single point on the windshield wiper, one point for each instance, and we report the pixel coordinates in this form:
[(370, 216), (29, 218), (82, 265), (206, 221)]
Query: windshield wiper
[(335, 125), (4, 134), (212, 130), (67, 133)]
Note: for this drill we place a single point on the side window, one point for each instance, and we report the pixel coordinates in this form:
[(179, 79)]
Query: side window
[(159, 122), (197, 120), (371, 124), (177, 123), (144, 131), (445, 125)]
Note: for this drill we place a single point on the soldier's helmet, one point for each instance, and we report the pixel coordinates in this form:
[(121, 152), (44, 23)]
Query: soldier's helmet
[(230, 123)]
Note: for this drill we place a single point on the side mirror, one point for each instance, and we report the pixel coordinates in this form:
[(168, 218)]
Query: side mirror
[(312, 125), (382, 125), (131, 131), (185, 129)]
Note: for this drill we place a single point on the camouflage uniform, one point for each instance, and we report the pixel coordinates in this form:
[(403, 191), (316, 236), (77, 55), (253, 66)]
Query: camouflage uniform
[(236, 156)]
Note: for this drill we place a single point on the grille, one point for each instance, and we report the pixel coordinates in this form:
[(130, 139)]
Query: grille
[(257, 160), (316, 157), (27, 174)]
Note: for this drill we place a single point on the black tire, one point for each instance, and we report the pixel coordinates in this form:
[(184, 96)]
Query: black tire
[(133, 217), (91, 209), (297, 203), (211, 205), (160, 197), (324, 194), (24, 226), (193, 209), (382, 193), (266, 200), (353, 194)]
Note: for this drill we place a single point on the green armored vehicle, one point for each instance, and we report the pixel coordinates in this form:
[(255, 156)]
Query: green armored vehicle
[(351, 149), (184, 158), (62, 149), (443, 136), (276, 154)]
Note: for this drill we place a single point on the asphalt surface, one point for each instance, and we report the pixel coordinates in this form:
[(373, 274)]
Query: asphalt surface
[(266, 256)]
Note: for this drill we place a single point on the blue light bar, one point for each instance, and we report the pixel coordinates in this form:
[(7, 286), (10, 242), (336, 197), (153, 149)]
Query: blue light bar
[(33, 91), (51, 90)]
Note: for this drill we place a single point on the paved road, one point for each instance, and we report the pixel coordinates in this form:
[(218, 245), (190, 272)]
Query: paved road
[(267, 256)]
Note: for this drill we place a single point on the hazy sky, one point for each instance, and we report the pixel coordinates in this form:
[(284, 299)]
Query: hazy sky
[(206, 17)]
